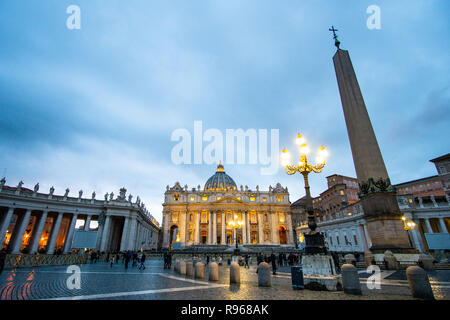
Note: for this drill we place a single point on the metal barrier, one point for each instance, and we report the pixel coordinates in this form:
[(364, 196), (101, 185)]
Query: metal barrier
[(37, 260)]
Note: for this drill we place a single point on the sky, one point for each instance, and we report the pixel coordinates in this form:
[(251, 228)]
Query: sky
[(95, 108)]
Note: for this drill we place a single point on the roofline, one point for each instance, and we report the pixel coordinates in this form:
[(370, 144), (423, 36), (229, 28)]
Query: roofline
[(446, 156), (416, 181)]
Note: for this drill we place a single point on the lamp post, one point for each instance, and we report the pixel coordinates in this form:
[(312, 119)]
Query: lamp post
[(315, 242), (235, 224)]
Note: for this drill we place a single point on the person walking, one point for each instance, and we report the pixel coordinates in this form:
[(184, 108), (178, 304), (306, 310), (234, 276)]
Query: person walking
[(111, 261), (142, 261), (127, 259), (207, 260), (274, 263), (246, 259)]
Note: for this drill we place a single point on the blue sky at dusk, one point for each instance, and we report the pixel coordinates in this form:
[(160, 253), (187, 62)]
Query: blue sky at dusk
[(94, 109)]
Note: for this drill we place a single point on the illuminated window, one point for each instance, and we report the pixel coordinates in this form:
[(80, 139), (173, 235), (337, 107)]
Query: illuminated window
[(252, 198), (204, 217), (281, 216), (239, 198), (219, 219), (264, 199), (174, 217), (342, 192), (349, 213), (192, 198), (219, 197), (410, 200), (176, 196), (280, 198), (205, 198)]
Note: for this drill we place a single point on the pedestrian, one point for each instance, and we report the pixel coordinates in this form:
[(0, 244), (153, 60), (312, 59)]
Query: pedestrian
[(2, 259), (117, 258), (274, 263), (247, 257), (134, 259), (111, 261), (142, 262), (169, 261), (165, 260), (207, 259)]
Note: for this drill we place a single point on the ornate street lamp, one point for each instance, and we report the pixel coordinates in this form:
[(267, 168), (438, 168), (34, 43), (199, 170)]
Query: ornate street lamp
[(235, 224), (315, 242)]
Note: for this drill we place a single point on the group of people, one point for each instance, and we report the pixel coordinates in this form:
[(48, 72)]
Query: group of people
[(278, 261), (133, 256)]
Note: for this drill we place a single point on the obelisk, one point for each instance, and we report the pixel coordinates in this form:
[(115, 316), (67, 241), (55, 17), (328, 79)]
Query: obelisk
[(378, 197)]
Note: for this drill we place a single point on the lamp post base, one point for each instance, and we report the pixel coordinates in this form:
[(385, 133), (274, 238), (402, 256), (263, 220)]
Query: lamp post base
[(315, 244)]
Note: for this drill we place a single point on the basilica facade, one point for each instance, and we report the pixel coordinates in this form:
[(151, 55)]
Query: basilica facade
[(222, 215)]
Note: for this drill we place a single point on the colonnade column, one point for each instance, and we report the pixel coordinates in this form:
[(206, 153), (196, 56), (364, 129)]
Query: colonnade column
[(124, 240), (55, 232), (5, 225), (210, 227), (443, 226), (366, 233), (429, 228), (363, 236), (185, 240), (69, 238), (20, 233), (288, 218), (223, 240), (105, 233), (87, 223), (133, 226)]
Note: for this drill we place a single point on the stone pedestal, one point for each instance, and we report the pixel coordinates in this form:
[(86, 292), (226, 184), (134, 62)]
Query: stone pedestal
[(190, 269), (264, 277), (182, 267), (350, 279), (320, 273), (390, 261), (426, 262), (369, 258), (419, 283), (199, 270), (213, 271), (235, 273)]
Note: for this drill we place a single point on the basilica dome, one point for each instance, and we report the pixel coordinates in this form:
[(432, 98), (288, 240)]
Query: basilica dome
[(220, 181)]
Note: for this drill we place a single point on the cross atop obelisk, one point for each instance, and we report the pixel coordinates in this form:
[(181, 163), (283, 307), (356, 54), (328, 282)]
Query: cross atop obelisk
[(335, 37)]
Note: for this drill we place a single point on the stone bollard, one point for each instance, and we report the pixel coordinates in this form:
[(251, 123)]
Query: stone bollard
[(175, 266), (390, 260), (264, 277), (368, 258), (350, 279), (426, 262), (235, 273), (350, 259), (213, 271), (190, 269), (182, 267), (199, 270), (419, 283)]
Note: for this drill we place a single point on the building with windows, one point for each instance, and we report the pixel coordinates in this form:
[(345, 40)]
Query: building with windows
[(424, 204), (220, 215), (33, 222)]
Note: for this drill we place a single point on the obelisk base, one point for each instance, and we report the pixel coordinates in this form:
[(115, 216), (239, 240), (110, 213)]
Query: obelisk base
[(384, 224)]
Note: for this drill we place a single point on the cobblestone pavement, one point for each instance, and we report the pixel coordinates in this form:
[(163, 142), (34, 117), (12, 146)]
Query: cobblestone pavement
[(100, 281)]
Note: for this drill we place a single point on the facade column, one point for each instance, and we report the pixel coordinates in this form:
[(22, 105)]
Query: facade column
[(260, 228), (223, 240), (275, 237), (363, 236), (290, 231), (249, 227), (38, 233), (442, 225), (18, 239), (5, 225), (55, 232), (186, 228), (420, 202), (132, 233), (366, 233), (244, 228), (429, 229), (234, 236), (415, 237), (210, 227), (197, 227), (124, 240), (214, 225), (137, 239), (105, 234), (69, 238), (87, 223)]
